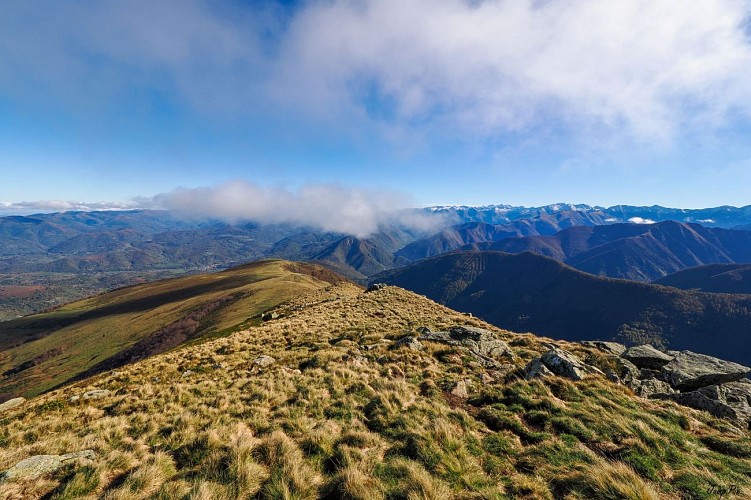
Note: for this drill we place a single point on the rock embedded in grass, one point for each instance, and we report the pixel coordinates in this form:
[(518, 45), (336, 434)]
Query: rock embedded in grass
[(12, 403), (263, 361), (565, 364), (39, 465), (612, 348)]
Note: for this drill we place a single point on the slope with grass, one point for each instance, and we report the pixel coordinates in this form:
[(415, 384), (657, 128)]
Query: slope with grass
[(529, 292), (717, 278), (109, 330), (341, 413)]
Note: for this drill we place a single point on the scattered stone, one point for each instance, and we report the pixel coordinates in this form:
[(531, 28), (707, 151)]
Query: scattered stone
[(565, 364), (370, 347), (536, 368), (12, 403), (263, 361), (612, 348), (731, 401), (409, 342), (461, 389), (646, 356), (73, 399), (689, 371), (422, 330), (39, 465), (653, 388), (375, 287), (96, 394), (487, 378), (186, 373)]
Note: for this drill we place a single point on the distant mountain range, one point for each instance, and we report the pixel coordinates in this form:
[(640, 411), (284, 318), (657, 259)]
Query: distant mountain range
[(642, 252), (48, 259), (529, 292), (725, 216), (717, 278)]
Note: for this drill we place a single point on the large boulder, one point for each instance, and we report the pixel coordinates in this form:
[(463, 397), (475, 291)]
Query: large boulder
[(653, 388), (646, 356), (689, 371), (565, 364), (730, 401), (478, 340), (612, 348), (12, 403), (39, 465), (408, 342)]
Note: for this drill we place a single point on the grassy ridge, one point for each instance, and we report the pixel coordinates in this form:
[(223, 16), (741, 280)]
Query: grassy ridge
[(44, 350), (342, 415)]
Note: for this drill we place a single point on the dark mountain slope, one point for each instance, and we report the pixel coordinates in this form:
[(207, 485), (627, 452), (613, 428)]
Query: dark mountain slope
[(528, 292), (718, 278), (641, 252)]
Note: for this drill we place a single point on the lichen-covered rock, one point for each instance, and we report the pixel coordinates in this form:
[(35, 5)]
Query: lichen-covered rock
[(612, 348), (646, 356), (12, 403), (263, 361), (39, 465), (478, 340), (565, 364), (653, 388), (627, 371), (731, 401), (408, 342), (536, 368), (689, 371)]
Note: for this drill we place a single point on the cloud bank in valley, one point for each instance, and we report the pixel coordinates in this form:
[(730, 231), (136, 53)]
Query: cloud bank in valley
[(355, 211)]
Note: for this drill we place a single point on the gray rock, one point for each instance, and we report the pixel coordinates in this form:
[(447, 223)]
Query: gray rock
[(12, 403), (612, 348), (408, 342), (627, 371), (478, 340), (263, 361), (536, 368), (375, 287), (96, 394), (689, 371), (653, 388), (461, 389), (39, 465), (646, 356), (731, 401), (269, 315), (565, 364)]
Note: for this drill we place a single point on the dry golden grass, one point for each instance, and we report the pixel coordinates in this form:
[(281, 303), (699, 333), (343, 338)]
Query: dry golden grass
[(341, 415)]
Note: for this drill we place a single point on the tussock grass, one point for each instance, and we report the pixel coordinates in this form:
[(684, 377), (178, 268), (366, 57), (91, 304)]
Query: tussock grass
[(333, 418)]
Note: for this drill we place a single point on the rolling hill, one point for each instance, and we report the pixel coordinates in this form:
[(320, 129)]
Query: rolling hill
[(529, 292), (41, 351), (642, 252), (331, 400), (717, 278)]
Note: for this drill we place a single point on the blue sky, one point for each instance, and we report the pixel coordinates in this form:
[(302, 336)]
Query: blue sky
[(524, 102)]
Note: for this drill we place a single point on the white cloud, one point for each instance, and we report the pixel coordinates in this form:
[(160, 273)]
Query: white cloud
[(640, 220), (359, 212), (44, 206), (477, 69)]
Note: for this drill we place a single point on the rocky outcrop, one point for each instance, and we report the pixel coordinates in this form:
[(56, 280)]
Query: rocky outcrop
[(559, 362), (731, 401), (477, 340), (689, 371), (699, 381), (12, 403), (39, 465), (646, 356), (536, 368)]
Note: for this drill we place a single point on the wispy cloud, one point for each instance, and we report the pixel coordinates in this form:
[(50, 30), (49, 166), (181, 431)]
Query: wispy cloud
[(640, 220), (649, 68)]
